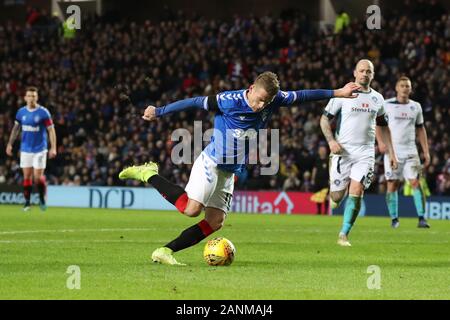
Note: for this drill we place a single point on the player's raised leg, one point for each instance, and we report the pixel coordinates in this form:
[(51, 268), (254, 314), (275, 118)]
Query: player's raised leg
[(339, 179), (339, 172), (173, 193)]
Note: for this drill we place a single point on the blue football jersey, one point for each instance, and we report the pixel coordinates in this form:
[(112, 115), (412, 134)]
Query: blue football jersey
[(235, 122), (34, 124)]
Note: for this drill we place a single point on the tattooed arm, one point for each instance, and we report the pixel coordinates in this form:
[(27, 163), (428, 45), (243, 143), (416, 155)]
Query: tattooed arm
[(335, 147), (14, 133)]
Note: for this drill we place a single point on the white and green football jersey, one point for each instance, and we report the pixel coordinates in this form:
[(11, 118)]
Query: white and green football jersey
[(403, 118), (356, 119)]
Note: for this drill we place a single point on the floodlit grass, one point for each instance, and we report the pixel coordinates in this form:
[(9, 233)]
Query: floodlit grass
[(278, 257)]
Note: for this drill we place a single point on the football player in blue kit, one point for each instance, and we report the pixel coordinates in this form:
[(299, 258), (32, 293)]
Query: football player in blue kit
[(211, 181), (34, 121)]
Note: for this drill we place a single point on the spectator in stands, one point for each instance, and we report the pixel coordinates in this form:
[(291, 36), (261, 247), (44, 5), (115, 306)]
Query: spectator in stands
[(186, 57), (320, 176), (342, 21)]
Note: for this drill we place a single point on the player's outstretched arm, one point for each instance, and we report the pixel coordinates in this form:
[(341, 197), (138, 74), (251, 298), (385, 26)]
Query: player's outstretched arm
[(151, 112), (14, 133), (348, 91)]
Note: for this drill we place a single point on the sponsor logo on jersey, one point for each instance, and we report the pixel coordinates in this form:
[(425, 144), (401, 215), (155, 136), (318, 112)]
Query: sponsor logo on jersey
[(403, 116), (30, 128), (240, 133), (364, 108)]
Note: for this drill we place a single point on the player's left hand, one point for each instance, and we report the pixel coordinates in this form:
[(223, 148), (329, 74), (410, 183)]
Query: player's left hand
[(393, 161), (9, 150), (347, 91), (149, 113), (52, 153), (427, 159)]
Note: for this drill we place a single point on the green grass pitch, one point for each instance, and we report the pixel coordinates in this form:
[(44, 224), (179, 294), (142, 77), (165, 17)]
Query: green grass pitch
[(278, 257)]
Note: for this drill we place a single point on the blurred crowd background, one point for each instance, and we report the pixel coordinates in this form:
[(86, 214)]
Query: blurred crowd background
[(187, 55)]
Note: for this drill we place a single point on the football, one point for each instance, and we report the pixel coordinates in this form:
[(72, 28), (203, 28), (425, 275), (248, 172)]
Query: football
[(219, 252)]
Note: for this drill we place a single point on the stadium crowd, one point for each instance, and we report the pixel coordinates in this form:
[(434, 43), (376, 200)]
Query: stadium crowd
[(184, 56)]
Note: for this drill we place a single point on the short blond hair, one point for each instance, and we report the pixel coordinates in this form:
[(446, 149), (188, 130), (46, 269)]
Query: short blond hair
[(403, 78), (269, 82)]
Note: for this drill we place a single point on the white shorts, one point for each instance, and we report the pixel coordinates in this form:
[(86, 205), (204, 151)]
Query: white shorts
[(350, 167), (33, 160), (409, 167), (209, 185)]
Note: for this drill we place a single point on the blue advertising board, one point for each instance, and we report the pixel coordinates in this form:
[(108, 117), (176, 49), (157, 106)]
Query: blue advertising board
[(106, 197)]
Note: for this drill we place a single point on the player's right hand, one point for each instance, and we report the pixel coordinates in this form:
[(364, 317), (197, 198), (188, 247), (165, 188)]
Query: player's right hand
[(149, 113), (393, 161), (9, 150), (335, 147)]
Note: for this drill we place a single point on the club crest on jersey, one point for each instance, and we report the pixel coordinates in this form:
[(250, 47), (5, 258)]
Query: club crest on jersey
[(412, 108), (24, 118), (36, 119), (374, 99)]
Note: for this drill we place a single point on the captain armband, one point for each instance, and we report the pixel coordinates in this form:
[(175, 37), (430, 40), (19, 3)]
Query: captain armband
[(381, 121)]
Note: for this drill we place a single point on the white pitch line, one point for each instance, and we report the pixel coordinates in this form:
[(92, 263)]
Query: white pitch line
[(77, 230), (32, 241), (299, 230), (78, 241)]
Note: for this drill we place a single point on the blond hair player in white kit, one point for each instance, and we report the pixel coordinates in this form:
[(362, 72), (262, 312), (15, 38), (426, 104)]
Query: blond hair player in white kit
[(405, 120), (353, 146)]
